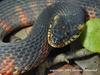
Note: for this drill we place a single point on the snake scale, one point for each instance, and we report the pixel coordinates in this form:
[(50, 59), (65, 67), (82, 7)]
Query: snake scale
[(30, 52)]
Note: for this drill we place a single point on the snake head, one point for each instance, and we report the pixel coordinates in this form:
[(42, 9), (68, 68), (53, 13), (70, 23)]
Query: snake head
[(58, 30), (63, 31)]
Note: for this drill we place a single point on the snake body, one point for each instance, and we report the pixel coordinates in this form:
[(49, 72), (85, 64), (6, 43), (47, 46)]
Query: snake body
[(30, 52)]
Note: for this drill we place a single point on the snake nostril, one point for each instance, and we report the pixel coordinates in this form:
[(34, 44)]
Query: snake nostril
[(55, 40)]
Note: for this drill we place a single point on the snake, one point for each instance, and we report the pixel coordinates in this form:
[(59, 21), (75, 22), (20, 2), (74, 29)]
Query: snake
[(58, 24)]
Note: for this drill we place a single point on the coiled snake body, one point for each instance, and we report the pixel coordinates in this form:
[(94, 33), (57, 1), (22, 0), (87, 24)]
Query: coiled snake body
[(30, 52)]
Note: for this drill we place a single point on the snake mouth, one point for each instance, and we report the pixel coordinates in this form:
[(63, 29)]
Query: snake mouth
[(62, 43)]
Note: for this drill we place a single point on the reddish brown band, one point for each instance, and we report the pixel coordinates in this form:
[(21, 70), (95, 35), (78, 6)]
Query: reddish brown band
[(5, 25)]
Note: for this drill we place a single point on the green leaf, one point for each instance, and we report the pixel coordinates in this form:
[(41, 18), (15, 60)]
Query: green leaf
[(90, 37)]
